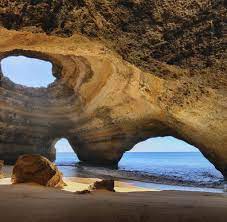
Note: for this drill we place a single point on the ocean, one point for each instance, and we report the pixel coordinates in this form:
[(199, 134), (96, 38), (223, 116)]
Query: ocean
[(166, 170)]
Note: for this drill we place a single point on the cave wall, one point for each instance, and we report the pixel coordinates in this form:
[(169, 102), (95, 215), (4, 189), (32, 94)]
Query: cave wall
[(105, 105), (126, 71), (185, 33)]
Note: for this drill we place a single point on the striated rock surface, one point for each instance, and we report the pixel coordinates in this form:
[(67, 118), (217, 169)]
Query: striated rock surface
[(37, 169), (140, 69)]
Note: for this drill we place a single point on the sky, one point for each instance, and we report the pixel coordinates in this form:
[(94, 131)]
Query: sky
[(38, 73), (26, 71), (158, 144)]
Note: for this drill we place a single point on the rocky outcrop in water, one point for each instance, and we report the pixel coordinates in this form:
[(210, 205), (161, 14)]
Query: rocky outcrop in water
[(36, 169), (140, 69)]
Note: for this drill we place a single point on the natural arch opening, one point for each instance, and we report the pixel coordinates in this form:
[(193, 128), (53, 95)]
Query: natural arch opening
[(65, 154), (26, 71), (171, 161)]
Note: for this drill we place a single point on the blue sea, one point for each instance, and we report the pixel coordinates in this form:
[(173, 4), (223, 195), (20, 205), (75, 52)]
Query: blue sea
[(184, 169)]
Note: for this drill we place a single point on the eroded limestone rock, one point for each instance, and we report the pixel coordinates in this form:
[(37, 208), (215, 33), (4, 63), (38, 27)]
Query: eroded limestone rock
[(102, 104), (103, 185), (187, 33), (36, 169), (106, 184)]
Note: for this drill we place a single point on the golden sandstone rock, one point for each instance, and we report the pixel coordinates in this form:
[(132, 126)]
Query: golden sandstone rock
[(103, 185), (36, 169), (101, 102), (106, 184)]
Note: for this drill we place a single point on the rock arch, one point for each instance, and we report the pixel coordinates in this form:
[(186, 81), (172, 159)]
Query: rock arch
[(61, 145), (103, 104)]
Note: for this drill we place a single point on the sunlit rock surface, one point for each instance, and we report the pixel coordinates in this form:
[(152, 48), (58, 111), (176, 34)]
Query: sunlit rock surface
[(142, 78), (103, 185), (36, 169)]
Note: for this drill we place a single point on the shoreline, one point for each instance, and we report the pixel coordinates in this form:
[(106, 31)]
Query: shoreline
[(72, 174), (90, 171), (153, 170), (76, 183)]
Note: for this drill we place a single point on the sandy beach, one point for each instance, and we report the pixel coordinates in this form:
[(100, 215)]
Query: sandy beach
[(113, 111), (31, 202)]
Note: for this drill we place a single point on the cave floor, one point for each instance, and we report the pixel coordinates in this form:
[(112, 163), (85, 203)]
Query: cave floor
[(27, 203)]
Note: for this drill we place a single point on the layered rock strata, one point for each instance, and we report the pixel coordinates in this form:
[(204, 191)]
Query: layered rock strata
[(104, 105), (101, 103)]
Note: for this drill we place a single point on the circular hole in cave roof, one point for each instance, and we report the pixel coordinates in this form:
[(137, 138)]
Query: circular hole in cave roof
[(26, 71)]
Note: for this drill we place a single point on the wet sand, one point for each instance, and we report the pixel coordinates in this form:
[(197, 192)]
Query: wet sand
[(34, 203)]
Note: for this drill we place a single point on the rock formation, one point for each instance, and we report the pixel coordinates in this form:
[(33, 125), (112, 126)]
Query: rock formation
[(103, 185), (36, 169), (124, 73)]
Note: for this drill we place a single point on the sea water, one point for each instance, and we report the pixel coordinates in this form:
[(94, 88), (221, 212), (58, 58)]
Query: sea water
[(164, 168)]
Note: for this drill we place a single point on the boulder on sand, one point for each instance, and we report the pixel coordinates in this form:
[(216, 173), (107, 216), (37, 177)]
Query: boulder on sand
[(103, 185), (37, 169)]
